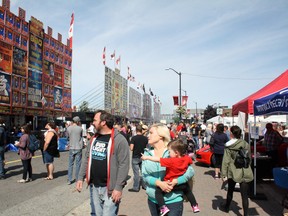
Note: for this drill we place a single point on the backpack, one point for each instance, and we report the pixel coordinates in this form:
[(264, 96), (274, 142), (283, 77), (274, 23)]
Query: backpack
[(34, 143), (242, 159)]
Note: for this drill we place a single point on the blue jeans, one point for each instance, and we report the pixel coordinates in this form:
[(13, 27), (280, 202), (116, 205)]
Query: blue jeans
[(101, 204), (136, 167), (176, 209), (74, 154), (2, 150), (196, 140)]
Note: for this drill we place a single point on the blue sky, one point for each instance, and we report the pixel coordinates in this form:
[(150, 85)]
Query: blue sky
[(225, 50)]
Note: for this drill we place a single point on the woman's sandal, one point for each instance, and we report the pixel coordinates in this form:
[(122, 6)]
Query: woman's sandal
[(48, 178)]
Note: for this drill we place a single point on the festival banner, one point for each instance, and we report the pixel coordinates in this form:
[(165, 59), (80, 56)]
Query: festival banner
[(184, 100), (67, 78), (50, 103), (15, 98), (147, 106), (15, 83), (5, 88), (35, 50), (19, 62), (116, 94), (23, 97), (175, 100), (23, 83), (58, 75), (36, 27), (46, 91), (34, 88), (6, 53), (67, 100), (48, 72), (58, 97), (134, 103)]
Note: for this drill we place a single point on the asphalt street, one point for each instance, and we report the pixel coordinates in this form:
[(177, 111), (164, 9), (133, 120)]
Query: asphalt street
[(55, 197)]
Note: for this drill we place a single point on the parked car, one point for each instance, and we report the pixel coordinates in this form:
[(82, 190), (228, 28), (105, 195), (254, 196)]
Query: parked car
[(205, 156)]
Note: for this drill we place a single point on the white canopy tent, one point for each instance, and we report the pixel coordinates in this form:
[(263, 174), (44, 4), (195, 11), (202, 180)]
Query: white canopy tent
[(230, 121)]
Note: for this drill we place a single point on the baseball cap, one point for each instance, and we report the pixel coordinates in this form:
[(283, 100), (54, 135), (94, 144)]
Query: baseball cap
[(76, 119)]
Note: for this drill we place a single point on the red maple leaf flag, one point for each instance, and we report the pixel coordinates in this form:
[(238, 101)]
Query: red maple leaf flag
[(104, 56), (113, 55), (70, 33), (118, 60)]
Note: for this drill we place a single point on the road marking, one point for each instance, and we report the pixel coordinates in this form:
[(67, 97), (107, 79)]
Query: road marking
[(16, 161)]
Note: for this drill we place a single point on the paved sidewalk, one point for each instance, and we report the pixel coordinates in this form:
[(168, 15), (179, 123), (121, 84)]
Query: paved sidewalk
[(208, 194)]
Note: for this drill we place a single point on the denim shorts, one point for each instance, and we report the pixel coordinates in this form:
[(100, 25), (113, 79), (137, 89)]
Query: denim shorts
[(47, 158)]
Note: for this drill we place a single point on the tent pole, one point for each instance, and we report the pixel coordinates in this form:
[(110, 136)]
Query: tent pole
[(255, 155)]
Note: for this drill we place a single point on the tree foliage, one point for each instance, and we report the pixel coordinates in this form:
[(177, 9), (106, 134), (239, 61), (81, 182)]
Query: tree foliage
[(209, 112)]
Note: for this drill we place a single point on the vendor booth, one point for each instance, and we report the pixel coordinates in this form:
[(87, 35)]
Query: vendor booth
[(265, 103), (271, 104)]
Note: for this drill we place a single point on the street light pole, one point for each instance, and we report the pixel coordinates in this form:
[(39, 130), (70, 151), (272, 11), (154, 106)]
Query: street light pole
[(179, 74)]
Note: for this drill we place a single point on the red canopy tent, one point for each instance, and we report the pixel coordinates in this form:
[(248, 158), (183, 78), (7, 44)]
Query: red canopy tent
[(246, 105)]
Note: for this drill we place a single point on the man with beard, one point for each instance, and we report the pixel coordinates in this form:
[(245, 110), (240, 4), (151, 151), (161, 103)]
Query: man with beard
[(106, 163)]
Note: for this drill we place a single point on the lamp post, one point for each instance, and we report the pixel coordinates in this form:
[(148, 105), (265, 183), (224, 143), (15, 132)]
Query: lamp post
[(179, 74)]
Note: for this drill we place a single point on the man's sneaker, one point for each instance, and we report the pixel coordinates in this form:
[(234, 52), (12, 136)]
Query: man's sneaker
[(164, 210), (22, 181), (195, 208)]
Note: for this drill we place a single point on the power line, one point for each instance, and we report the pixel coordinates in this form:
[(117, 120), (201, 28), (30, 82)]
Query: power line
[(89, 92), (231, 78)]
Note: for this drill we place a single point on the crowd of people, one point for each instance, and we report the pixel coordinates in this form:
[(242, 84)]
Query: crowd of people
[(160, 161)]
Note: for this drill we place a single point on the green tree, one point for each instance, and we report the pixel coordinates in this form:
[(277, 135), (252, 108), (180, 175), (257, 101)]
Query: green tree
[(84, 107), (209, 112)]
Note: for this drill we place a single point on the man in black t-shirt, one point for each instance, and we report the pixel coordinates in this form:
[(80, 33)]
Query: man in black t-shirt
[(137, 145), (105, 166)]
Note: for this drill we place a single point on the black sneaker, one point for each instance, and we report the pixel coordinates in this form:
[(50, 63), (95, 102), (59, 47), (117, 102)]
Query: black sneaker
[(224, 208), (133, 190)]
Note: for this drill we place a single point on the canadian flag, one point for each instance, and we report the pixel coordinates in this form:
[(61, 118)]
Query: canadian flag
[(113, 55), (70, 33), (118, 60), (104, 56)]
